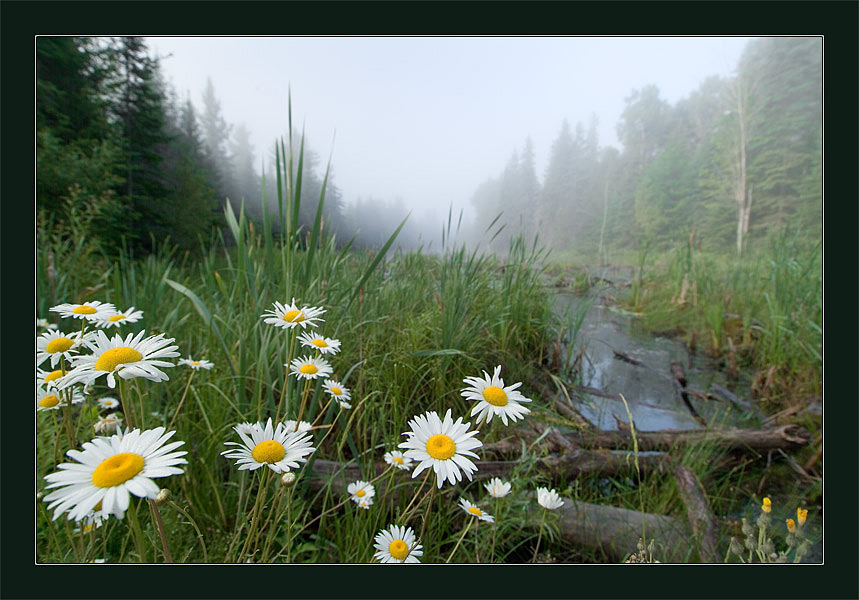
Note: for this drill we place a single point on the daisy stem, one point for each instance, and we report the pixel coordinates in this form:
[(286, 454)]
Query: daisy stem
[(322, 412), (179, 406), (74, 542), (539, 537), (462, 537), (58, 432), (495, 529), (261, 491), (196, 528), (286, 379), (304, 396), (272, 530), (476, 540), (67, 422), (405, 518), (142, 413), (427, 512), (136, 531), (160, 526), (126, 404)]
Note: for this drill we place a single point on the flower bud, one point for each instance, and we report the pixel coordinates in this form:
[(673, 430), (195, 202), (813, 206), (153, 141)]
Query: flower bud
[(288, 479), (801, 516), (162, 495), (736, 548), (791, 525), (747, 529), (767, 505)]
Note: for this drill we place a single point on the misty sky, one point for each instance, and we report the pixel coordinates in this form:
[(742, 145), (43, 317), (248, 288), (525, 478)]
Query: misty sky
[(428, 119)]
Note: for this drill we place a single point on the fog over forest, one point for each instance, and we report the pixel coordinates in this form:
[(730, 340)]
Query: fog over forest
[(590, 143)]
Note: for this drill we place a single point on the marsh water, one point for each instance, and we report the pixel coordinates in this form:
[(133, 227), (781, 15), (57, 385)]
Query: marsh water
[(608, 336)]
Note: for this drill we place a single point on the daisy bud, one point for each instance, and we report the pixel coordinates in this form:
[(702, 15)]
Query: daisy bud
[(162, 495), (288, 479)]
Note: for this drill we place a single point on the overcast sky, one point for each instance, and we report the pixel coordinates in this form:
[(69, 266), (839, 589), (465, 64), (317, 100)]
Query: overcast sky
[(428, 119)]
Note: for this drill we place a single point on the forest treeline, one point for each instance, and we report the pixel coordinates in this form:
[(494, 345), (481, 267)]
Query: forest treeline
[(738, 157), (120, 154)]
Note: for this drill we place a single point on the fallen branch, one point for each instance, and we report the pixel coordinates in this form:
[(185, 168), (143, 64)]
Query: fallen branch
[(698, 513)]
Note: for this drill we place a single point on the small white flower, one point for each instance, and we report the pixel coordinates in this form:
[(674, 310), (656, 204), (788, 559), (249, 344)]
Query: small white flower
[(130, 357), (107, 425), (493, 398), (397, 545), (398, 459), (308, 367), (338, 392), (56, 344), (443, 445), (116, 318), (49, 379), (549, 498), (91, 311), (108, 403), (360, 489), (108, 469), (196, 364), (300, 426), (497, 488), (365, 503), (474, 511), (276, 448), (291, 315), (319, 342), (45, 324)]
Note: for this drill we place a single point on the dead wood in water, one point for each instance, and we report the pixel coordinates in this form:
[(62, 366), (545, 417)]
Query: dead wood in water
[(786, 437), (698, 512)]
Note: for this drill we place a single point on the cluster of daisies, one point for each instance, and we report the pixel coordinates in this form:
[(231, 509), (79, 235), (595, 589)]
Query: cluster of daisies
[(110, 468), (118, 462)]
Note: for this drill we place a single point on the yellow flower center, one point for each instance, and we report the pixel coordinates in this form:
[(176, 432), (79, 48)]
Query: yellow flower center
[(196, 363), (269, 452), (116, 318), (398, 460), (495, 396), (83, 310), (398, 549), (336, 391), (308, 369), (441, 447), (49, 401), (293, 316), (60, 344), (117, 469), (360, 493), (319, 343), (475, 511), (54, 375), (110, 359)]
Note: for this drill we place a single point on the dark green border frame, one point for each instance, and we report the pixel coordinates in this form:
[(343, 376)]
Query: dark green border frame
[(21, 21)]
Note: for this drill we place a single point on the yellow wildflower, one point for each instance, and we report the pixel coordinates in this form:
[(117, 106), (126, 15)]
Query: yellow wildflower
[(767, 505), (801, 516)]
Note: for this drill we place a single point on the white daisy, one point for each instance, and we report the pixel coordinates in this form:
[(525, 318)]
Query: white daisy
[(338, 392), (91, 311), (47, 400), (320, 342), (365, 503), (549, 498), (45, 324), (128, 358), (360, 489), (53, 399), (279, 449), (300, 426), (49, 379), (473, 510), (109, 424), (116, 318), (443, 445), (497, 488), (397, 545), (493, 398), (107, 469), (196, 364), (108, 403), (291, 315), (308, 367), (55, 344), (396, 458)]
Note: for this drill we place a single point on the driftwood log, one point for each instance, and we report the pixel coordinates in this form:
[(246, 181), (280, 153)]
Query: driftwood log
[(616, 531), (786, 437), (698, 513)]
